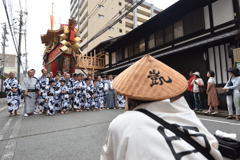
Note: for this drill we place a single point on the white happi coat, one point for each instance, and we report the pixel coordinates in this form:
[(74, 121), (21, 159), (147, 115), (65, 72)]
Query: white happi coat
[(135, 136)]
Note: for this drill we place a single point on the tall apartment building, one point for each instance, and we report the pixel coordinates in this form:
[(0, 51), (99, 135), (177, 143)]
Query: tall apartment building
[(10, 63), (93, 15)]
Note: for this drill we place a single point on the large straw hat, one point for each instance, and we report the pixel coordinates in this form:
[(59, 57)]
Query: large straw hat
[(150, 80)]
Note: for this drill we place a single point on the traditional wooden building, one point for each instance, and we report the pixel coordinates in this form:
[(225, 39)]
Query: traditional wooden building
[(190, 35)]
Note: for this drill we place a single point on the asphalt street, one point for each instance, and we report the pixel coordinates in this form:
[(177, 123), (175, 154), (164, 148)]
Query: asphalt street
[(73, 136)]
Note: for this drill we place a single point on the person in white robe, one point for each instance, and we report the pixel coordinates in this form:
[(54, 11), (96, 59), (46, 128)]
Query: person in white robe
[(134, 135), (29, 89)]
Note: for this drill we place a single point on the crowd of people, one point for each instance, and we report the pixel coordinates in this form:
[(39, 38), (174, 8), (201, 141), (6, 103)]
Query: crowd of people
[(231, 89), (60, 93)]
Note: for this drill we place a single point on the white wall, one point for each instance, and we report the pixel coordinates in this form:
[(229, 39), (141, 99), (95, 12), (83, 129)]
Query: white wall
[(222, 12), (218, 55), (206, 17)]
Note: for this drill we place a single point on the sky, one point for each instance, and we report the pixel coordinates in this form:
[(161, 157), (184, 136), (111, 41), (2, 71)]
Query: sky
[(38, 22)]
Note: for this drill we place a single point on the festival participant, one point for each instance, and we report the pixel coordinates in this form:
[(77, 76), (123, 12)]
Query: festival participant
[(77, 93), (120, 101), (111, 93), (101, 93), (160, 125), (48, 74), (87, 93), (69, 84), (73, 80), (12, 89), (49, 99), (64, 97), (36, 101), (51, 75), (57, 96), (29, 89), (95, 96), (105, 81), (59, 74), (41, 86), (90, 79)]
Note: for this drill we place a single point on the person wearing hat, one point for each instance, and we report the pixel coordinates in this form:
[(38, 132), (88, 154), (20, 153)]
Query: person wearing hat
[(156, 117), (49, 98), (235, 80), (65, 101), (197, 81)]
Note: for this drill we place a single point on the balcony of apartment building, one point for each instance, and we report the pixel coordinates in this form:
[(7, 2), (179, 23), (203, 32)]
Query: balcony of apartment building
[(144, 11), (73, 7), (142, 18), (139, 23), (128, 28), (130, 15), (129, 22), (83, 12), (84, 41), (84, 33), (83, 6), (81, 2), (83, 25)]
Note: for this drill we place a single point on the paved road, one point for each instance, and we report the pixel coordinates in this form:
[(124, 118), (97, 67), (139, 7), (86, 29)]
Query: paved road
[(74, 136)]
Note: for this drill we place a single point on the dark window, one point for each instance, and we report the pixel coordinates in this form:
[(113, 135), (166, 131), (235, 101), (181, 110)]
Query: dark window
[(126, 52), (114, 58), (120, 21), (178, 29), (119, 55), (142, 45), (120, 30), (168, 32), (193, 21), (136, 48), (130, 50), (120, 3), (151, 41), (159, 38)]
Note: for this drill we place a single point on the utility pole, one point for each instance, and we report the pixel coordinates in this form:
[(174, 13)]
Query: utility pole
[(3, 47), (19, 46)]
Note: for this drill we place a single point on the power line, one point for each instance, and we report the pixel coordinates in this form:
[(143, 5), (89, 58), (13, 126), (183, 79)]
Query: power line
[(112, 24), (4, 4)]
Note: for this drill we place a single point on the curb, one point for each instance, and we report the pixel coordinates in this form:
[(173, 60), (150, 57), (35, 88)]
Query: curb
[(218, 115)]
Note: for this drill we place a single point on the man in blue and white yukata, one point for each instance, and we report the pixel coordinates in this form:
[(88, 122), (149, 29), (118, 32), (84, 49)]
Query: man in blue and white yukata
[(73, 79), (87, 93), (69, 84), (41, 86), (49, 99), (105, 81), (64, 96), (12, 89), (77, 93), (57, 96), (101, 90), (95, 96)]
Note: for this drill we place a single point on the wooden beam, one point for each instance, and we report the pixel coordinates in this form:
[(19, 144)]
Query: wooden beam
[(84, 72)]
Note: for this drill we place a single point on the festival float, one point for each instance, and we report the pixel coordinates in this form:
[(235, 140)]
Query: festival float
[(61, 48)]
